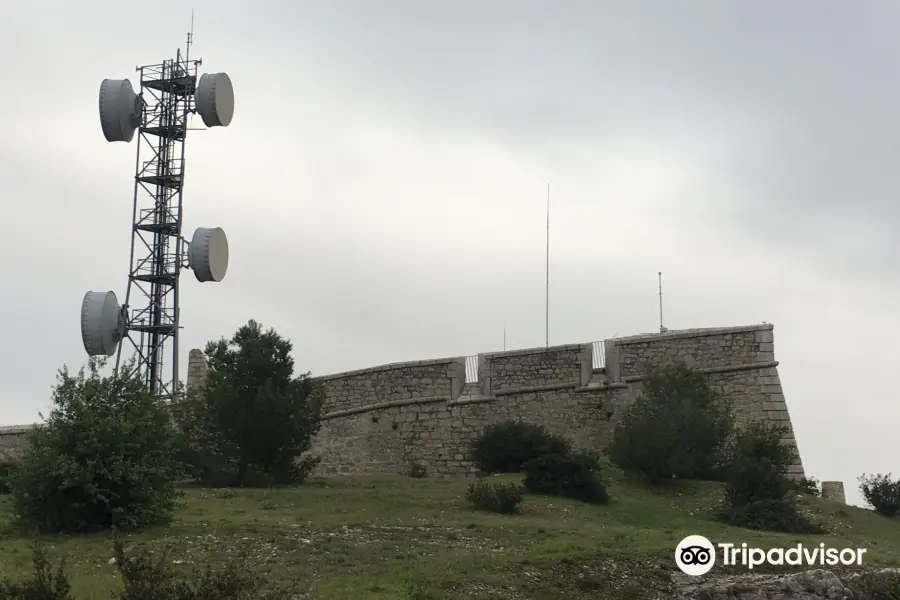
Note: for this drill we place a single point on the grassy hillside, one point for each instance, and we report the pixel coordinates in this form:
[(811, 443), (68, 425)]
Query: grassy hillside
[(395, 537)]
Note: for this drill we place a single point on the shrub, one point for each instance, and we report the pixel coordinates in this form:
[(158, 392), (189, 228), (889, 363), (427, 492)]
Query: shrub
[(506, 447), (417, 471), (769, 515), (877, 585), (758, 464), (104, 457), (44, 583), (757, 484), (253, 417), (809, 486), (568, 476), (882, 493), (496, 497), (678, 427)]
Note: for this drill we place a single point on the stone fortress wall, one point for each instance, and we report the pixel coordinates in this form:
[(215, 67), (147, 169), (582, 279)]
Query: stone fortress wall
[(384, 419)]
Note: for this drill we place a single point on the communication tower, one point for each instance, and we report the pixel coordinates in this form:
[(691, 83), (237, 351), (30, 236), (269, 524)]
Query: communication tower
[(170, 94)]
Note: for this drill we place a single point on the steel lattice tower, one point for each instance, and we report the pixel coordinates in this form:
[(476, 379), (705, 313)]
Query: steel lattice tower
[(170, 94)]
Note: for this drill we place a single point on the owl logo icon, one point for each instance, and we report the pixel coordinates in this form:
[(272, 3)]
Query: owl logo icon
[(695, 555)]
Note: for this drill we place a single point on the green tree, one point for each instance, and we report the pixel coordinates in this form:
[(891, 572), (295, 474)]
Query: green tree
[(678, 427), (104, 457), (757, 490), (882, 493), (758, 464), (253, 418)]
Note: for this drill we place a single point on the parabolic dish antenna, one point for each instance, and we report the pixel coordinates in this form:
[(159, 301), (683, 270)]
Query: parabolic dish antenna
[(120, 110), (101, 328), (209, 254), (215, 99)]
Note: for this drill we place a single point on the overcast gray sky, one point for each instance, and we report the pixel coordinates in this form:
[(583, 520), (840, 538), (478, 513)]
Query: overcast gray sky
[(383, 184)]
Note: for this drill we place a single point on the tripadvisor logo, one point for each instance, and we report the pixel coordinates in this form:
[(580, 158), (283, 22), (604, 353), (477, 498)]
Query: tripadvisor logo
[(695, 555)]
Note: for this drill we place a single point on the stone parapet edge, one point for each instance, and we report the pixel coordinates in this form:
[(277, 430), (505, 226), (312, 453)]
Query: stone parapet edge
[(689, 333), (391, 366)]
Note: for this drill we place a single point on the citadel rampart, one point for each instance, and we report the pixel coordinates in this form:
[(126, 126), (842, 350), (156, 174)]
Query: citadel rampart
[(383, 419)]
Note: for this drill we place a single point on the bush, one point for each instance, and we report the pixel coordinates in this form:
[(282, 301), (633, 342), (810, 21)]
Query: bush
[(757, 483), (105, 457), (44, 583), (876, 585), (678, 427), (882, 493), (417, 471), (568, 476), (506, 447), (809, 486), (768, 515), (758, 464), (253, 417), (497, 497), (146, 578)]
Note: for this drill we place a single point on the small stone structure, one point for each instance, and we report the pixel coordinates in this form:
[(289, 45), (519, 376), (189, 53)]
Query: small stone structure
[(383, 419), (834, 490), (197, 368)]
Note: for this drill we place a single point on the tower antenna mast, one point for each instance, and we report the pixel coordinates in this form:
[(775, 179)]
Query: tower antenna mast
[(190, 38), (170, 94)]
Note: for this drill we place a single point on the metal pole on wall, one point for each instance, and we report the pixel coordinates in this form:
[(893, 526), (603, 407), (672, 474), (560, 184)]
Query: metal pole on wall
[(662, 328), (547, 279)]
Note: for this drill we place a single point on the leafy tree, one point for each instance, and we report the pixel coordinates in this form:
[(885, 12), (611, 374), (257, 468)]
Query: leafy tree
[(757, 487), (758, 464), (253, 418), (104, 457), (678, 427), (882, 493)]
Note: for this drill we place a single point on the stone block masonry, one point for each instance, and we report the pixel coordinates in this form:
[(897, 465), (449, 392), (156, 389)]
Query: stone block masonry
[(384, 419), (197, 368), (12, 441), (834, 491)]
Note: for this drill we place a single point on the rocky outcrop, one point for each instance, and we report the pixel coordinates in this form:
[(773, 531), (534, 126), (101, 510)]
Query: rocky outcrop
[(818, 584)]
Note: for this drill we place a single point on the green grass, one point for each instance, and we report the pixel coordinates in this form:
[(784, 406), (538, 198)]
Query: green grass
[(380, 537)]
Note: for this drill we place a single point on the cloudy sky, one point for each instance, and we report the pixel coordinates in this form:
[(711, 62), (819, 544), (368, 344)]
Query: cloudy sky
[(383, 184)]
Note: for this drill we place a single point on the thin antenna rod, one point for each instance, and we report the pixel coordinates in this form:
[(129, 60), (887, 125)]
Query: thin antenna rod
[(662, 328), (504, 338), (547, 279), (190, 39)]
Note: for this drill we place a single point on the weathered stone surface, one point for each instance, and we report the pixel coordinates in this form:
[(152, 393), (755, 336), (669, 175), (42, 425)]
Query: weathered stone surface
[(385, 418), (817, 584), (12, 440), (834, 490), (197, 368), (810, 585)]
